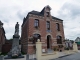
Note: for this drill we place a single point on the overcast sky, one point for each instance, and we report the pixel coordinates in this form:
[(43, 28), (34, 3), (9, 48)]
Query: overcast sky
[(12, 11)]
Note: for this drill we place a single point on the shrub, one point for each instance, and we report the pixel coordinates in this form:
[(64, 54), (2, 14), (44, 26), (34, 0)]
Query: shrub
[(54, 49)]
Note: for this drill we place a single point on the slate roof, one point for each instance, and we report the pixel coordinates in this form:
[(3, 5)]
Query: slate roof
[(56, 18), (39, 14), (1, 23), (77, 39), (36, 13), (42, 14)]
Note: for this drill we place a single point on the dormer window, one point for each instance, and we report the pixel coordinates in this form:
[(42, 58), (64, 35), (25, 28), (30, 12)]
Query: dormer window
[(57, 26), (1, 26), (48, 25), (47, 14)]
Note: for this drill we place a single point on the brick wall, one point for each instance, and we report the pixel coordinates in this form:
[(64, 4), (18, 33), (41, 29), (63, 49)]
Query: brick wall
[(2, 36), (6, 48), (28, 29)]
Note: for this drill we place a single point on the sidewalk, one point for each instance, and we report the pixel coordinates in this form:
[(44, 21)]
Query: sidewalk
[(62, 54)]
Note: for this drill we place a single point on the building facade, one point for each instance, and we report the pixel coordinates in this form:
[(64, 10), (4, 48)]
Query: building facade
[(42, 25), (77, 40), (2, 36), (69, 44)]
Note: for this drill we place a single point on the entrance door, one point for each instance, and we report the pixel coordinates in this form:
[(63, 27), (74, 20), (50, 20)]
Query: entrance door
[(48, 42)]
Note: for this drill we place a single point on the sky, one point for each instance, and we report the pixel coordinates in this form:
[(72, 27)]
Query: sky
[(12, 11)]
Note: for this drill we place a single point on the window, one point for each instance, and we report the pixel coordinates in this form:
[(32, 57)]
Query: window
[(58, 26), (59, 40), (47, 14), (36, 23), (48, 25), (36, 37)]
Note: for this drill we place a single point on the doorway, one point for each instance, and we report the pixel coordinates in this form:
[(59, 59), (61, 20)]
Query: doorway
[(48, 42)]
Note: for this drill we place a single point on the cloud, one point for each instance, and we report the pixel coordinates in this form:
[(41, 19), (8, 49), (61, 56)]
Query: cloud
[(12, 11), (70, 13)]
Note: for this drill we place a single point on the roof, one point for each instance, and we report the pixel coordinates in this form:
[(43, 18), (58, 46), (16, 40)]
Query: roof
[(42, 14), (56, 18), (78, 43), (1, 23), (77, 39), (39, 14), (36, 13)]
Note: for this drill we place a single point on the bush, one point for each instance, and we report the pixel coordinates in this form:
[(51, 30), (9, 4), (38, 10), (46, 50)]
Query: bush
[(57, 49), (54, 49), (23, 53), (3, 54), (66, 48), (14, 57)]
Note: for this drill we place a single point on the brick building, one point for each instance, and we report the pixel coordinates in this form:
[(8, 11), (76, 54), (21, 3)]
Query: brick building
[(42, 25), (2, 36)]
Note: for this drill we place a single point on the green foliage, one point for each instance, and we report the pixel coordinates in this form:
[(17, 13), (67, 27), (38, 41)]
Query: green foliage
[(66, 48), (14, 57), (3, 54), (54, 49), (23, 53), (57, 49)]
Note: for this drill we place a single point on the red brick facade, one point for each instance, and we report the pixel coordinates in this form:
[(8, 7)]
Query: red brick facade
[(2, 36), (49, 33)]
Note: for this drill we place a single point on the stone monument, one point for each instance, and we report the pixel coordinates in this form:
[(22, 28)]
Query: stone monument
[(16, 50)]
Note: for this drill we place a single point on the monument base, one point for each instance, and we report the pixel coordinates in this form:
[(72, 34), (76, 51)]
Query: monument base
[(16, 57)]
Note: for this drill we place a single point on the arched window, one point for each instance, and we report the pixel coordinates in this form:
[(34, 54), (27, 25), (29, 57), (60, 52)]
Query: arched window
[(58, 26), (36, 37), (59, 40)]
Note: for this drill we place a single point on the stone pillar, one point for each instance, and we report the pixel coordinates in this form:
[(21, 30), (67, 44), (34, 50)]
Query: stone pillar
[(38, 50), (75, 48)]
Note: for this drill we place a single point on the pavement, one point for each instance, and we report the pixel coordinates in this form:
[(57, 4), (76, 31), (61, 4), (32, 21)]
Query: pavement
[(61, 56), (75, 56)]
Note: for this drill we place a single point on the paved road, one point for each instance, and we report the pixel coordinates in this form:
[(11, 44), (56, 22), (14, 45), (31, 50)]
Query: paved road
[(75, 56)]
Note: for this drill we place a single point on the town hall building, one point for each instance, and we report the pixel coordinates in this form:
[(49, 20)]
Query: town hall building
[(42, 25)]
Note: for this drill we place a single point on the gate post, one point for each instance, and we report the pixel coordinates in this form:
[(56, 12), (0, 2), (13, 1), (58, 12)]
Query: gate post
[(38, 49), (75, 48)]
